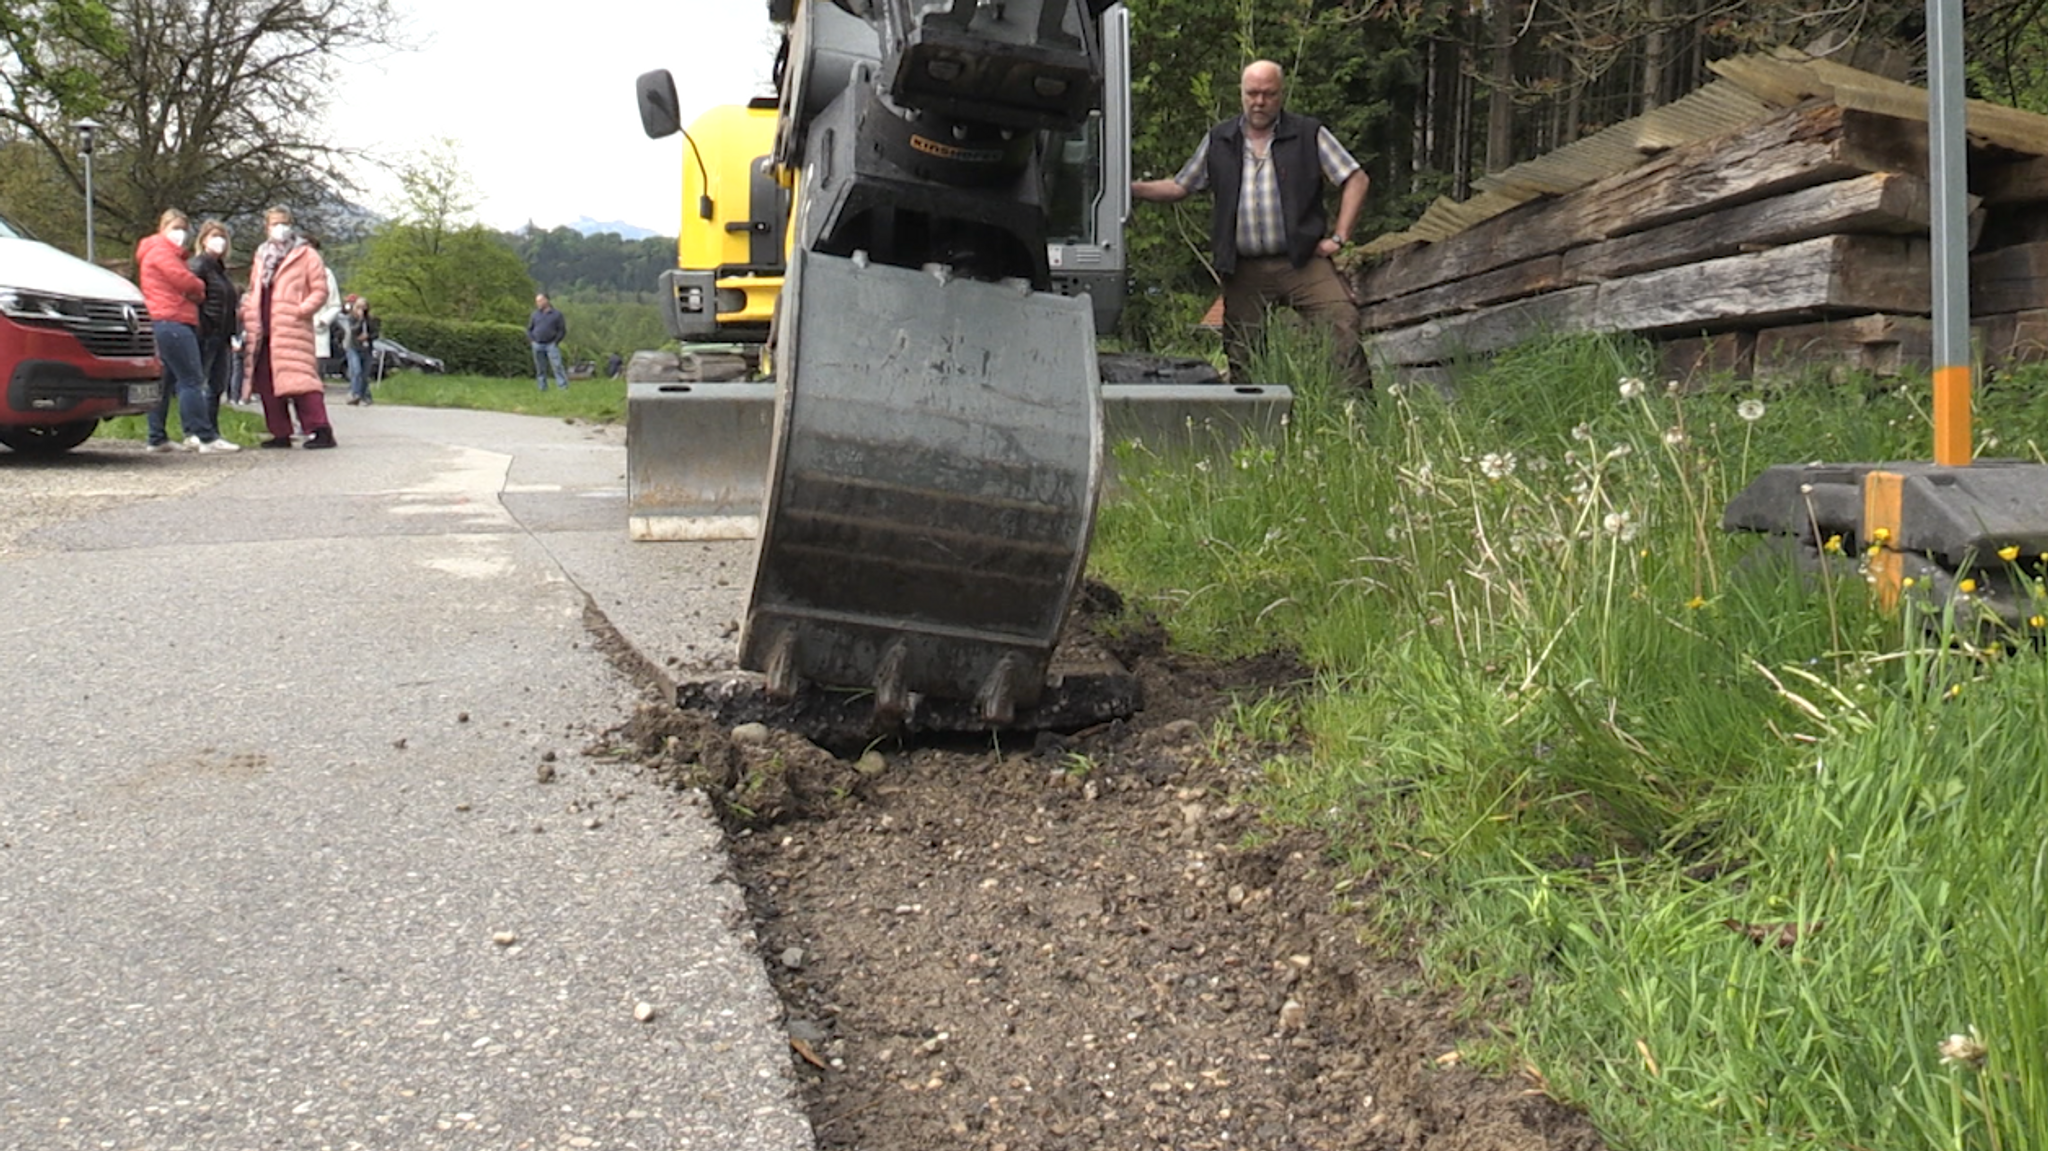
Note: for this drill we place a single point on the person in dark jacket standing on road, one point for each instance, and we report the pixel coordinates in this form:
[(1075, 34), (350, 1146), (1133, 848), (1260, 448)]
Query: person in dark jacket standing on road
[(363, 330), (544, 330), (219, 314), (1271, 240)]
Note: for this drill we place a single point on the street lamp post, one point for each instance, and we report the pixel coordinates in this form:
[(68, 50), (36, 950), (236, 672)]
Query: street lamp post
[(85, 129)]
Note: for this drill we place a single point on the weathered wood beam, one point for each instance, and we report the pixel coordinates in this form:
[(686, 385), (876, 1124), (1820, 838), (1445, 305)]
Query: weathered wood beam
[(2025, 182), (1688, 358), (1527, 278), (1882, 345), (1885, 202), (2014, 337), (1806, 146), (2013, 279), (1829, 274)]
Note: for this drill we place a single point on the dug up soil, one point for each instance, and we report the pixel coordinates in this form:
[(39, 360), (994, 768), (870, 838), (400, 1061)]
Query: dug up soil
[(1087, 941)]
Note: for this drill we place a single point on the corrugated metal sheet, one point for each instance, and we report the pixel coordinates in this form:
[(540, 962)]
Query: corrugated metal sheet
[(1751, 87), (1718, 108)]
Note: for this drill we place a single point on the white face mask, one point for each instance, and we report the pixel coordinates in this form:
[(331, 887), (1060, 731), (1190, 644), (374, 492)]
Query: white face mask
[(176, 236), (218, 245), (280, 232)]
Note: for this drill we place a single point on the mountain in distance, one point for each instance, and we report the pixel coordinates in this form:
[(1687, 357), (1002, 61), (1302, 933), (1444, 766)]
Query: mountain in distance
[(623, 230)]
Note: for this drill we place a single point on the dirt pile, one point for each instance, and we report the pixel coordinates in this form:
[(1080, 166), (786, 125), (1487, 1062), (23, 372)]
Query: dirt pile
[(1089, 942)]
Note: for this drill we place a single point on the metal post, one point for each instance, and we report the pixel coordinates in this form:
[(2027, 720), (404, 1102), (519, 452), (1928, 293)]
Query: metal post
[(90, 255), (85, 129), (1949, 225)]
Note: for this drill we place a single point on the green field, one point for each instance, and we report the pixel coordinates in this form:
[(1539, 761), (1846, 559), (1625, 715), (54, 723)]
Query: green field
[(1721, 854), (599, 401)]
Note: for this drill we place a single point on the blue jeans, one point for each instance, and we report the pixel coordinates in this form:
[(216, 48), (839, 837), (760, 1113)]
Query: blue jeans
[(216, 364), (358, 381), (177, 345), (544, 357)]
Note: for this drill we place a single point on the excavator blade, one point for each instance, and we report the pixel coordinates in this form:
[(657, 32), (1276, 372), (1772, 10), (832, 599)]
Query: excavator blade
[(932, 485), (695, 457)]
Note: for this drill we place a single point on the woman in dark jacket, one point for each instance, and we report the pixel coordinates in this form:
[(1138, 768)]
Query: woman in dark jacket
[(218, 313)]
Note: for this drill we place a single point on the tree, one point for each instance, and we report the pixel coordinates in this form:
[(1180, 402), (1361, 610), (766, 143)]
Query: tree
[(434, 259), (214, 106)]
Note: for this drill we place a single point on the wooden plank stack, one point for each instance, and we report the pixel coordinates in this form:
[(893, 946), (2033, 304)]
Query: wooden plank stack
[(1795, 239)]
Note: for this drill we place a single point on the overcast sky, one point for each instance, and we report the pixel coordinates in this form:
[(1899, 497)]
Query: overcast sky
[(540, 100)]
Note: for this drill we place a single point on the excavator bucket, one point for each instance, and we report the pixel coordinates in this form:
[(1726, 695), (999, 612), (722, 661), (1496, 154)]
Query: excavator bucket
[(932, 486)]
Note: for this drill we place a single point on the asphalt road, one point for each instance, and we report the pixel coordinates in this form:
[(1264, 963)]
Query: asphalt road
[(277, 867)]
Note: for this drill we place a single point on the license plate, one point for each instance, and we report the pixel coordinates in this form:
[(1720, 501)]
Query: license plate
[(145, 393)]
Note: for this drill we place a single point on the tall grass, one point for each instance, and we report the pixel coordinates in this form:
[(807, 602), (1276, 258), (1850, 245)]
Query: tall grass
[(1591, 749)]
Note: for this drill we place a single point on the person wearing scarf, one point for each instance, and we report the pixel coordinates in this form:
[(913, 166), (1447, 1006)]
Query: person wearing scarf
[(287, 285)]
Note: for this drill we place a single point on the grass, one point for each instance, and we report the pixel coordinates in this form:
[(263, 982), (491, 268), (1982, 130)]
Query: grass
[(1590, 749), (597, 401)]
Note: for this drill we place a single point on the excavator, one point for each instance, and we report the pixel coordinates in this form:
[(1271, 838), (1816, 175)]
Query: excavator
[(956, 176)]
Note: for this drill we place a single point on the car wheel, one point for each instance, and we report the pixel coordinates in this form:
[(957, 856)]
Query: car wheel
[(48, 439)]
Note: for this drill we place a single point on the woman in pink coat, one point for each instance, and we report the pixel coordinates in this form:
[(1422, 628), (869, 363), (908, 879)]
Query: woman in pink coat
[(287, 284)]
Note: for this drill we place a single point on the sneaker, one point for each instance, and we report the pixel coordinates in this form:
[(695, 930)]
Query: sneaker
[(276, 442), (321, 438), (164, 446), (219, 445)]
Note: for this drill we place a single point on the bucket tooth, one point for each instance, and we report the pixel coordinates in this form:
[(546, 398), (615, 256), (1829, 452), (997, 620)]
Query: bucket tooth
[(892, 699), (783, 679), (997, 699)]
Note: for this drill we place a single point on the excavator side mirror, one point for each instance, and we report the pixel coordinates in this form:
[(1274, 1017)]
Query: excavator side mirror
[(660, 114)]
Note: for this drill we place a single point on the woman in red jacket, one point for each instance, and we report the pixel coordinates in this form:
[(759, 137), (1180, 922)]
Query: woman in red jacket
[(173, 294)]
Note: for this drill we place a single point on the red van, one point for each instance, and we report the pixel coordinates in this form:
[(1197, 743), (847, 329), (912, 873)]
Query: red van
[(75, 347)]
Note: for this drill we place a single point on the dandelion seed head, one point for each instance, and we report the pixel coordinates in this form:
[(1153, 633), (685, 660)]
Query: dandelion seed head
[(1674, 437), (1631, 387), (1583, 432), (1750, 410), (1619, 524), (1497, 465)]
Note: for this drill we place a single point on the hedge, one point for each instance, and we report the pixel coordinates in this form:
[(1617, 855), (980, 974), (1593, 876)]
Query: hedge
[(470, 349)]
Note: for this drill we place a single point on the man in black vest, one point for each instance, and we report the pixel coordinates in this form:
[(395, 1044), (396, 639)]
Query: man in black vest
[(1270, 238)]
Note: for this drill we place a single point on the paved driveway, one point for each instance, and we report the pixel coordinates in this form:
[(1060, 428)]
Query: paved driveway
[(277, 867)]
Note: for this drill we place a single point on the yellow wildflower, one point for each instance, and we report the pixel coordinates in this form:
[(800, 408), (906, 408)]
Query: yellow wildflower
[(1881, 534), (1697, 602), (1954, 690), (1909, 581), (2010, 553), (1834, 545), (1967, 586), (2037, 622)]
